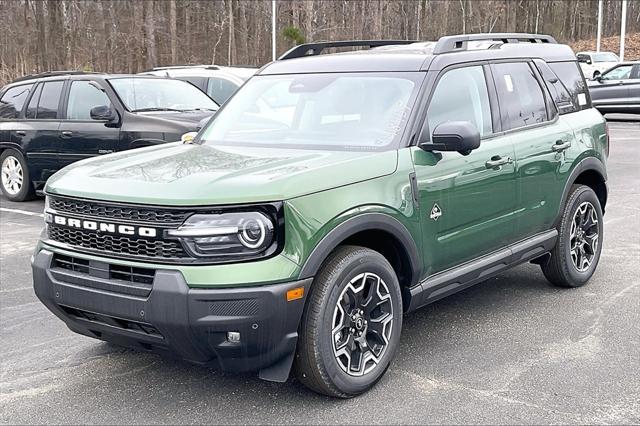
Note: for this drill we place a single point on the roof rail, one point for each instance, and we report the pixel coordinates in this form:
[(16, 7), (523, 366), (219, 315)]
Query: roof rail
[(172, 67), (51, 74), (312, 49), (457, 43)]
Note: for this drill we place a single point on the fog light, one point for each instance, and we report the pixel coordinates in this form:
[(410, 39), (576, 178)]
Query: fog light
[(233, 336)]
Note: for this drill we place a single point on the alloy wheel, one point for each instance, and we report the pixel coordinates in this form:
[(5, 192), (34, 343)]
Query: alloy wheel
[(362, 324), (584, 236), (12, 175)]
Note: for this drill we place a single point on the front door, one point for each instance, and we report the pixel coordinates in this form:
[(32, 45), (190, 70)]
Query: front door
[(468, 202), (80, 136)]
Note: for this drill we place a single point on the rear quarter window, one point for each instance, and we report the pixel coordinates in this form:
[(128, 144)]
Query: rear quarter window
[(13, 100), (570, 75)]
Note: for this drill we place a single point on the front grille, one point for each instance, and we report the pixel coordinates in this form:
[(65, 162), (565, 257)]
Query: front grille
[(107, 211), (119, 244), (103, 276), (116, 272)]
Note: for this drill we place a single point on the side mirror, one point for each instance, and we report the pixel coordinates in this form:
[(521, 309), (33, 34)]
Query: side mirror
[(103, 113), (588, 61), (460, 136), (598, 78), (188, 137)]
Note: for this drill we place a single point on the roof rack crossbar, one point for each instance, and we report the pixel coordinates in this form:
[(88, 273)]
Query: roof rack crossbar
[(312, 49), (457, 43)]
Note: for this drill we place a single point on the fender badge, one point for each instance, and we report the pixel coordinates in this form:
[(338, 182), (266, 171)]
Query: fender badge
[(436, 212)]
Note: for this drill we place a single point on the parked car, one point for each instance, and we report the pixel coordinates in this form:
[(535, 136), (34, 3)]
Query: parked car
[(330, 196), (50, 120), (216, 81), (594, 63), (617, 90)]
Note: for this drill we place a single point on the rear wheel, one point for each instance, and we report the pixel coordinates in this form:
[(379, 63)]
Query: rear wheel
[(351, 326), (14, 176), (577, 252)]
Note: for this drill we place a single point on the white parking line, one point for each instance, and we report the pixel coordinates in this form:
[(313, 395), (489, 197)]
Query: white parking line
[(24, 212)]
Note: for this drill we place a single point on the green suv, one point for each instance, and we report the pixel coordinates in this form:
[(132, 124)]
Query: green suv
[(332, 194)]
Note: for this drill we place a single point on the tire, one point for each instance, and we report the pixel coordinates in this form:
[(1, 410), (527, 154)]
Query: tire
[(317, 364), (14, 176), (577, 252)]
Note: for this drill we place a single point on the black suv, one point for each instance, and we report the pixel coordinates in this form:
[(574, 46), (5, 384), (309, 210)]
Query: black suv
[(50, 120)]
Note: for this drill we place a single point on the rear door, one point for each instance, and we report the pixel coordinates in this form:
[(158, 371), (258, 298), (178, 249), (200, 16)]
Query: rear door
[(540, 140), (80, 136), (38, 132)]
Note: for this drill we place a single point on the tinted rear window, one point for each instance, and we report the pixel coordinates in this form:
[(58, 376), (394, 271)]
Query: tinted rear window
[(49, 100), (522, 101), (13, 100), (571, 77)]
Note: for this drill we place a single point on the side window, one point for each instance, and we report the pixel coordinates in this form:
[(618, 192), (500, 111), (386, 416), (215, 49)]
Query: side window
[(560, 94), (49, 100), (12, 101), (620, 73), (584, 58), (521, 98), (461, 95), (82, 97), (635, 72), (220, 89), (33, 102), (571, 77)]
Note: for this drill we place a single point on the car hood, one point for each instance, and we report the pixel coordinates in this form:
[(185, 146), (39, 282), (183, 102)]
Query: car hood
[(186, 174)]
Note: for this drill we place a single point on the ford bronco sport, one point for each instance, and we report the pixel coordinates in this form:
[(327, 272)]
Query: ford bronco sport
[(328, 197)]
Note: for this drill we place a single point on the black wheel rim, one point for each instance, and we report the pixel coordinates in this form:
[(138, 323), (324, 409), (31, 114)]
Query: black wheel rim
[(584, 236), (362, 324)]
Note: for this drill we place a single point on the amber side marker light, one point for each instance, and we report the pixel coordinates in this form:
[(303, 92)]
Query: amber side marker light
[(295, 294)]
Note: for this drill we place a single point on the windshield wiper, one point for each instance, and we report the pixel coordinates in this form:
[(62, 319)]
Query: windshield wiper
[(156, 109)]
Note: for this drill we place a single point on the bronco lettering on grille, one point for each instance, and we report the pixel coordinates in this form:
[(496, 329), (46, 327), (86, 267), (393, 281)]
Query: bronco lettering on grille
[(92, 225)]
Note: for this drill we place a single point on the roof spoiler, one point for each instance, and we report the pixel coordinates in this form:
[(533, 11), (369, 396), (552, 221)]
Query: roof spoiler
[(312, 49)]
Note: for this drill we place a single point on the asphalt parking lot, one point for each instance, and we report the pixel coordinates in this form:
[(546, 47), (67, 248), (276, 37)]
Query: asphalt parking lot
[(511, 350)]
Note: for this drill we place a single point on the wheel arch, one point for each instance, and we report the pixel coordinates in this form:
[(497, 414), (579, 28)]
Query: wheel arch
[(379, 232), (592, 173)]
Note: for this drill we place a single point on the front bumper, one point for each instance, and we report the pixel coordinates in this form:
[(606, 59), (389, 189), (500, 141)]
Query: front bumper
[(176, 320)]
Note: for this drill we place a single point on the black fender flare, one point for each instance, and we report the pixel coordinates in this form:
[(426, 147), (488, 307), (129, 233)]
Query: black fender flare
[(364, 222), (587, 164)]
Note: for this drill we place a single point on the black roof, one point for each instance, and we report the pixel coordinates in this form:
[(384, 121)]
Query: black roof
[(393, 55)]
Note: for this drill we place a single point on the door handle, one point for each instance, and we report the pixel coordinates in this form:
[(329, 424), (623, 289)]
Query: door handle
[(67, 134), (21, 133), (496, 162), (560, 146)]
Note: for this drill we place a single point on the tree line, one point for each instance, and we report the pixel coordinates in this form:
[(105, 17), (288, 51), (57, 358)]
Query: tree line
[(134, 35)]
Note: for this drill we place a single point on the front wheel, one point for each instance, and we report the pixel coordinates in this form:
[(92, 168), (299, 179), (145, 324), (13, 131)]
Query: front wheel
[(351, 326), (577, 252)]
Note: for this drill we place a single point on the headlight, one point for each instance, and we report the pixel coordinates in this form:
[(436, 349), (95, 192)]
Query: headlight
[(227, 235)]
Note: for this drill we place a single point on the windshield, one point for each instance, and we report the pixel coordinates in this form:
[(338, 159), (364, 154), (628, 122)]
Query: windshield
[(354, 111), (605, 57), (157, 94)]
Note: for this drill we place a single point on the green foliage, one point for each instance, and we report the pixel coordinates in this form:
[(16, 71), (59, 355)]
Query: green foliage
[(294, 34)]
